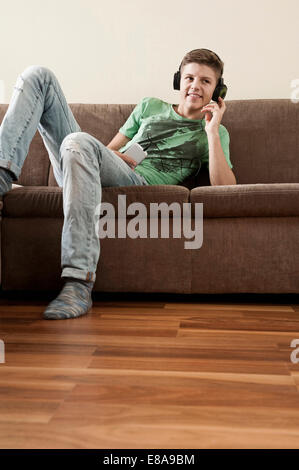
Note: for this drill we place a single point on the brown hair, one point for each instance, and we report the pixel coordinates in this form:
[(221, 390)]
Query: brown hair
[(206, 57)]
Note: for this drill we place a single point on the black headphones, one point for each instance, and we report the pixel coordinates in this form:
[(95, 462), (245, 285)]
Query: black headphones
[(220, 90)]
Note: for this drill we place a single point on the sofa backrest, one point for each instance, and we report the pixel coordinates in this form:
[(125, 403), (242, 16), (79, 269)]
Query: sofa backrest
[(264, 140)]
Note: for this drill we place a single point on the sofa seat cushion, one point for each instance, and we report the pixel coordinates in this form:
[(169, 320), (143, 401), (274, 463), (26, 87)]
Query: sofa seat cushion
[(47, 201), (248, 200)]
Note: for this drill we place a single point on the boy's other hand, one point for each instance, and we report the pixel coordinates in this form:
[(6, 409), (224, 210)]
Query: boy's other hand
[(129, 160)]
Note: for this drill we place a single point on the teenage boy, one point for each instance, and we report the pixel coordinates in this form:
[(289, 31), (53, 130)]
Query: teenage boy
[(177, 138)]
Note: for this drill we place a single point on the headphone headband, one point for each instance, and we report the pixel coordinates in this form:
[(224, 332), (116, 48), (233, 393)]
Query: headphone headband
[(209, 50)]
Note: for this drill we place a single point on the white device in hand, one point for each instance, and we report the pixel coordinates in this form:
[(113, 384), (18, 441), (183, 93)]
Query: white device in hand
[(136, 151)]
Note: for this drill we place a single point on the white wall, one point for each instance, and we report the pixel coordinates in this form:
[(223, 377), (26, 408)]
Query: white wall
[(118, 51)]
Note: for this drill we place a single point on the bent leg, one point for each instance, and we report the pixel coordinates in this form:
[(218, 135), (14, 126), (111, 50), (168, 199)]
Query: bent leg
[(87, 165), (37, 103)]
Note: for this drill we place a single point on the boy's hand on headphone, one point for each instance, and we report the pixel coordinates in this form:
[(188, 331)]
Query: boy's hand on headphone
[(213, 115)]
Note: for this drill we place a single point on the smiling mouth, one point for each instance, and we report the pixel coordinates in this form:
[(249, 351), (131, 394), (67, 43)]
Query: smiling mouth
[(194, 95)]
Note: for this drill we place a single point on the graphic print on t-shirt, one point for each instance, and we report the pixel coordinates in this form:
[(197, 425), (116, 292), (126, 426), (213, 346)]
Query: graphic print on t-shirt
[(162, 139)]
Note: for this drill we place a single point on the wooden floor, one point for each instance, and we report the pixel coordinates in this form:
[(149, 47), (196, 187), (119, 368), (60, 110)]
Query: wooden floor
[(151, 372)]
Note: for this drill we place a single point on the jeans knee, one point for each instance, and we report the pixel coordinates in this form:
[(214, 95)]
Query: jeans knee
[(71, 148), (77, 140), (72, 141), (36, 72), (78, 147)]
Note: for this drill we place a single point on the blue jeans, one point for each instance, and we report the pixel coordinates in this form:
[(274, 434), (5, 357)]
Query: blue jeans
[(81, 163)]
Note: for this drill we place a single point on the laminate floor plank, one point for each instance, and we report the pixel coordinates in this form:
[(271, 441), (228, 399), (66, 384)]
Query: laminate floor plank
[(144, 436), (150, 374)]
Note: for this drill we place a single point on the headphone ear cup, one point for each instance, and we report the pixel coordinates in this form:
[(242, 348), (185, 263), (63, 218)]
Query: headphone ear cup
[(177, 80), (221, 91)]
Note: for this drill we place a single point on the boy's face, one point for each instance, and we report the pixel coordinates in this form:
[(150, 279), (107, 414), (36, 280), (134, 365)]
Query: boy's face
[(199, 79)]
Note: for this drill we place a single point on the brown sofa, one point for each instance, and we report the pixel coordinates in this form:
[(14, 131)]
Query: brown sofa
[(250, 231)]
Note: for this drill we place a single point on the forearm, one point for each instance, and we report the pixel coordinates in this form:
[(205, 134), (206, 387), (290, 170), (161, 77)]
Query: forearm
[(220, 172)]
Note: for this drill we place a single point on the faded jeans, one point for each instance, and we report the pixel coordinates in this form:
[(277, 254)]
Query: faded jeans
[(81, 163)]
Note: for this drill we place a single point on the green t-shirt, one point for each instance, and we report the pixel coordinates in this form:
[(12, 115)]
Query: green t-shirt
[(175, 146)]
